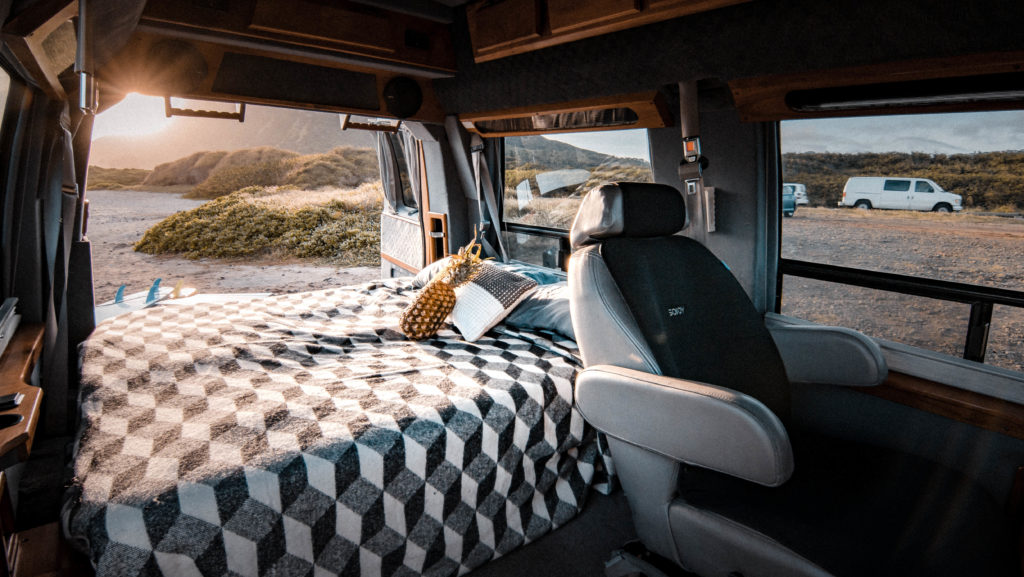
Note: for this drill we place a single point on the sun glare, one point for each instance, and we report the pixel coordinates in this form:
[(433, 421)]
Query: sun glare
[(136, 115)]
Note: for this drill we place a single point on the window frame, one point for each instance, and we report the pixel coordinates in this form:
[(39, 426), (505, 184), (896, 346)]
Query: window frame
[(562, 235), (982, 299), (397, 160)]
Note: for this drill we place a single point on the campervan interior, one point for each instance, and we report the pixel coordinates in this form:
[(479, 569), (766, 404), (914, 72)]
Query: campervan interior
[(671, 379)]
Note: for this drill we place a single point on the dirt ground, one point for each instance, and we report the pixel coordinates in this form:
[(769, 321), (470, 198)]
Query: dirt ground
[(118, 218), (980, 250)]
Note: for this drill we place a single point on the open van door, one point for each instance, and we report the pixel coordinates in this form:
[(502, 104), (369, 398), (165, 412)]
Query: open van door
[(401, 221)]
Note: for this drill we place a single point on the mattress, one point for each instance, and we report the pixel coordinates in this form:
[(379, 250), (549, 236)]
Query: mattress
[(304, 435)]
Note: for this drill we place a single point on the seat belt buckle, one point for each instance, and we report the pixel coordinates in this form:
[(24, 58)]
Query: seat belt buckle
[(691, 148)]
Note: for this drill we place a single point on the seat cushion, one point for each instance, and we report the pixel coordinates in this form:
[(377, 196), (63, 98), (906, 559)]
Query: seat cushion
[(696, 318), (858, 510)]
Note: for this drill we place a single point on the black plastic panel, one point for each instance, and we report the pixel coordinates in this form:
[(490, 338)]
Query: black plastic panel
[(261, 77)]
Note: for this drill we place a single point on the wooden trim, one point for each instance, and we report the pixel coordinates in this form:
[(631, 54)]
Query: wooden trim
[(16, 366), (436, 220), (399, 263), (650, 107), (763, 99), (341, 27), (509, 27), (960, 405)]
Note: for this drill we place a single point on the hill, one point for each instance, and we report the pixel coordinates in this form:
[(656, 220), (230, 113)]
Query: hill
[(987, 180), (544, 153), (300, 131)]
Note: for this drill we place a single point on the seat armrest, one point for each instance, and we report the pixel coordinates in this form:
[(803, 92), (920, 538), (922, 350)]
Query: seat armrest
[(829, 355), (700, 424)]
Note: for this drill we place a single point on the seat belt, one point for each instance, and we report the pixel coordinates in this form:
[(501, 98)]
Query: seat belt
[(700, 200), (64, 202), (485, 190)]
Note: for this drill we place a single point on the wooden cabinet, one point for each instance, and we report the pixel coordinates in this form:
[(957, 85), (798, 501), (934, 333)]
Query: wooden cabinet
[(505, 27), (566, 15), (16, 365)]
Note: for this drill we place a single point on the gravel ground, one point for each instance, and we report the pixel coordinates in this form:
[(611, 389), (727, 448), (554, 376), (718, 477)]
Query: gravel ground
[(980, 250), (118, 218)]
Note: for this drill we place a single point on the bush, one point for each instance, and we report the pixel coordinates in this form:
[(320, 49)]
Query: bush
[(257, 221)]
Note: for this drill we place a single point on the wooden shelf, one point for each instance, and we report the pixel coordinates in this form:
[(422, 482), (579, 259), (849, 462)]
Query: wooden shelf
[(16, 366), (650, 108), (983, 411)]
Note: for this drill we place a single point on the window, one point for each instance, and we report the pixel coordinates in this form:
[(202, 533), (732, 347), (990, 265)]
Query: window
[(408, 195), (897, 185), (546, 178), (942, 273)]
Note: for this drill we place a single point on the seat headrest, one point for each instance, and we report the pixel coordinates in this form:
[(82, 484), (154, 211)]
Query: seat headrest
[(629, 209)]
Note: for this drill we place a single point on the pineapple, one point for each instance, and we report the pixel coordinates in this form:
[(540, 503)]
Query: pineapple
[(432, 306)]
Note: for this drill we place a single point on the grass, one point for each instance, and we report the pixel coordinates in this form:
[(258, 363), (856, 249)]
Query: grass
[(336, 226), (100, 178)]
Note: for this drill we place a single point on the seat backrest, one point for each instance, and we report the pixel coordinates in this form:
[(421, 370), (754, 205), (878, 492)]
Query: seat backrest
[(644, 298)]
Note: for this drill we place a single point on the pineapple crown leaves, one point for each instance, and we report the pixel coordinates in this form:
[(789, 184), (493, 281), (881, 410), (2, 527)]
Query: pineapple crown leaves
[(464, 265)]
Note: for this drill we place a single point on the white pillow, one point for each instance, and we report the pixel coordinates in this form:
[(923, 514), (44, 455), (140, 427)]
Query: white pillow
[(487, 299)]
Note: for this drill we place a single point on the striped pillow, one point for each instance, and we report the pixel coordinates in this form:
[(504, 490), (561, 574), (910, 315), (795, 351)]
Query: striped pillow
[(487, 299)]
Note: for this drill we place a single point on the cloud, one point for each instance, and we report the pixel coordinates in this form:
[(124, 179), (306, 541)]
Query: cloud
[(929, 133)]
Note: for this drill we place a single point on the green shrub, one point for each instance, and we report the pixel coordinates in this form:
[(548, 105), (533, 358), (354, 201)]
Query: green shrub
[(257, 221)]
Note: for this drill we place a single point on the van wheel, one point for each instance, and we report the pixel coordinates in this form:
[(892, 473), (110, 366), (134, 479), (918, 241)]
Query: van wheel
[(863, 205), (943, 208), (787, 214)]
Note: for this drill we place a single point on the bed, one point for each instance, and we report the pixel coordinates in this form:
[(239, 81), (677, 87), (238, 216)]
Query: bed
[(304, 435)]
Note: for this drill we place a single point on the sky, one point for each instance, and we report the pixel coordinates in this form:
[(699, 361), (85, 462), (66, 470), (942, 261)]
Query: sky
[(963, 132), (930, 133)]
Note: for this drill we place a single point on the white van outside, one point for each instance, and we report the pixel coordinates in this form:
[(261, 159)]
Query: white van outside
[(900, 193)]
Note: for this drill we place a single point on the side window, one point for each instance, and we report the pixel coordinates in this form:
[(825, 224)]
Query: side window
[(897, 185), (788, 189), (407, 196), (938, 275), (547, 176)]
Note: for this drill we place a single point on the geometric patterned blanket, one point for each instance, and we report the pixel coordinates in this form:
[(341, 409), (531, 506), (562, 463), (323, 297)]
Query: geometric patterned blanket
[(303, 434)]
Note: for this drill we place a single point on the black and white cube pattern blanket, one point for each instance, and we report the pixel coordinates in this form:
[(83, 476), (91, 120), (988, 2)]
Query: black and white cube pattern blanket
[(304, 435)]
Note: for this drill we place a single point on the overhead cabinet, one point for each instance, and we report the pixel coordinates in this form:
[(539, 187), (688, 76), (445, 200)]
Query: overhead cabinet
[(507, 27)]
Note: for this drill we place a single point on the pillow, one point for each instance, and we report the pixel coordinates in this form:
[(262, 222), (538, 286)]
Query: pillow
[(545, 308), (487, 299), (540, 274)]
